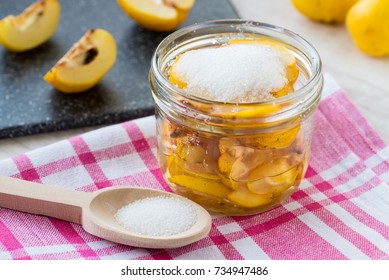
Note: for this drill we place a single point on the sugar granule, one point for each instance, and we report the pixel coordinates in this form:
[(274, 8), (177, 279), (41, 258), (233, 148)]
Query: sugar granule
[(233, 73), (157, 216)]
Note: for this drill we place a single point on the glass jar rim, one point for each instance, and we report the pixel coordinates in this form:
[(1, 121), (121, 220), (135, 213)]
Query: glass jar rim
[(297, 94)]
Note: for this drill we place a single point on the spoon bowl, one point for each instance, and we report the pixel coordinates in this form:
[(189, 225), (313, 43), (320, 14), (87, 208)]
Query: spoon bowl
[(96, 211), (99, 219)]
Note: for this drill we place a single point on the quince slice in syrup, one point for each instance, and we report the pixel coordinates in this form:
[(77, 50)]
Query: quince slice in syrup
[(247, 199), (85, 64), (34, 26), (207, 186)]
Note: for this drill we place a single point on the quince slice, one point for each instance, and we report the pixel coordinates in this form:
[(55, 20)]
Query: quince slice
[(278, 183), (85, 64), (174, 164), (34, 26), (157, 15), (279, 139), (211, 187), (204, 169), (270, 169), (234, 112), (225, 163), (245, 198), (195, 160)]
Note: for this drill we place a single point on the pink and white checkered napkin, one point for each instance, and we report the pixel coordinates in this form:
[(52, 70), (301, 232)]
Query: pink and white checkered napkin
[(340, 212)]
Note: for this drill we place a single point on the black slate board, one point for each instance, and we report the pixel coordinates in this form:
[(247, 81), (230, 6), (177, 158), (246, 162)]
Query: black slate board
[(28, 105)]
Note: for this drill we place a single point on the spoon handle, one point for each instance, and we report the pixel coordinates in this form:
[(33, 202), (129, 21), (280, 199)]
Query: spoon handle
[(42, 199)]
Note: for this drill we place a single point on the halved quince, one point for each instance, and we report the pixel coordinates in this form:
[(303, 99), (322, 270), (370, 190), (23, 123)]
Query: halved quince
[(158, 15), (85, 64), (34, 26)]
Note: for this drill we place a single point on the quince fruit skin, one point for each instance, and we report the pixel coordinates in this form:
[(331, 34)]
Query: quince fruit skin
[(368, 25), (31, 28), (85, 64), (157, 15), (328, 11)]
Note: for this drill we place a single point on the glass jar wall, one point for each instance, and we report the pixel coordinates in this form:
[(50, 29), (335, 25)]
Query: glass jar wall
[(234, 158)]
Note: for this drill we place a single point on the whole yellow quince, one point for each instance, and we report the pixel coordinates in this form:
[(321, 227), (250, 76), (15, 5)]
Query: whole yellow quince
[(329, 11), (368, 25)]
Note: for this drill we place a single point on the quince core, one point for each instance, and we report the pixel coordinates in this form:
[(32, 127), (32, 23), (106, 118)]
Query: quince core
[(34, 26), (85, 64), (157, 15)]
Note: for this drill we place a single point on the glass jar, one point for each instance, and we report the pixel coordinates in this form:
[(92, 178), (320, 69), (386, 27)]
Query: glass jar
[(234, 159)]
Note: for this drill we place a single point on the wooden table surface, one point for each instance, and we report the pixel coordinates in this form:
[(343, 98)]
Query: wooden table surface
[(365, 79)]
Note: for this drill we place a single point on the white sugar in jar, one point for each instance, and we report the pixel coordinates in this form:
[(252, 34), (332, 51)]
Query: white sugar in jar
[(234, 108)]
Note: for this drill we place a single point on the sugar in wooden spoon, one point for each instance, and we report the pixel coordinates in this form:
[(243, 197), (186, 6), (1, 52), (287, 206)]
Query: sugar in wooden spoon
[(103, 213)]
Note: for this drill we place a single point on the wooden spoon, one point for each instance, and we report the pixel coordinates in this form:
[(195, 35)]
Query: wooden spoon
[(95, 211)]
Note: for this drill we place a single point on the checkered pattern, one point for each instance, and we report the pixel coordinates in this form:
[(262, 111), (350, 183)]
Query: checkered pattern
[(340, 212)]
